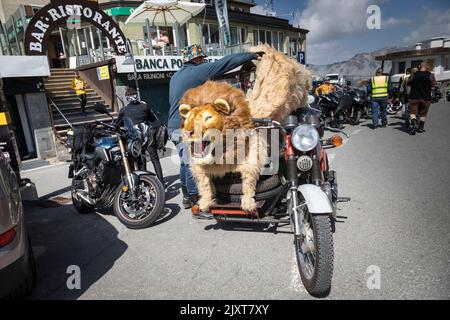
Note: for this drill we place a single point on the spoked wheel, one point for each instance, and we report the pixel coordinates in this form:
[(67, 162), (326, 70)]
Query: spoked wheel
[(145, 208), (391, 109), (314, 251)]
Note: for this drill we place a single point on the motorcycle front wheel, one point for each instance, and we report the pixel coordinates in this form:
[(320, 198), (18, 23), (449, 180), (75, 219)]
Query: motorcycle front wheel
[(315, 254), (147, 206)]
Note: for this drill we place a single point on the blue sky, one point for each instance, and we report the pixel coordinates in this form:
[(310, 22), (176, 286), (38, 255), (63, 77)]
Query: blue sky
[(338, 27)]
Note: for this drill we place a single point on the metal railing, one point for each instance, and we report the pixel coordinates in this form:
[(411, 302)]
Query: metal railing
[(60, 112)]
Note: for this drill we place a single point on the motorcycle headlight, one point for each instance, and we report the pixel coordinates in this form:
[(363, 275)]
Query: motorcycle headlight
[(134, 148), (305, 137)]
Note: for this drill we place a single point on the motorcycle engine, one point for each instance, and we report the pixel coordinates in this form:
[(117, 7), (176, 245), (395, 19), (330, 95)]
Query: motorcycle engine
[(94, 181)]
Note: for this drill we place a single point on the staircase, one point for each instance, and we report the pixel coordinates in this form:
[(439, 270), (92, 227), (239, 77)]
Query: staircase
[(59, 89)]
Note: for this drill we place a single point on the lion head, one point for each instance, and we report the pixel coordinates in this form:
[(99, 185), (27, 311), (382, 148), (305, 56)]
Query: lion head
[(208, 111)]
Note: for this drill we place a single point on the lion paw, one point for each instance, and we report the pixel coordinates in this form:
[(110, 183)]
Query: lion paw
[(248, 204), (204, 204)]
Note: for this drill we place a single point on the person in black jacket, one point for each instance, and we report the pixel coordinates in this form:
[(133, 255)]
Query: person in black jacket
[(421, 83), (140, 112)]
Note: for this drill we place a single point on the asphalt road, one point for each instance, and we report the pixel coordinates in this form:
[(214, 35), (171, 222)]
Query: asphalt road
[(397, 222)]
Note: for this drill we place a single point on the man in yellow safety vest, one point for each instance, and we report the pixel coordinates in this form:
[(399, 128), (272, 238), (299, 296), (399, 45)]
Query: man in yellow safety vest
[(379, 87)]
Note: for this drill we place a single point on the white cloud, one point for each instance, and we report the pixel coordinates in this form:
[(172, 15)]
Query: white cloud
[(260, 10), (437, 23), (330, 20)]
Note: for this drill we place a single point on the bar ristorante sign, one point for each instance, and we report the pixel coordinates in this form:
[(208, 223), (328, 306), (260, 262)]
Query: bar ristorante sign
[(65, 12)]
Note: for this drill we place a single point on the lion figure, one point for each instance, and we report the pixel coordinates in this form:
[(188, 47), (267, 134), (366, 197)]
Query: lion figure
[(210, 111)]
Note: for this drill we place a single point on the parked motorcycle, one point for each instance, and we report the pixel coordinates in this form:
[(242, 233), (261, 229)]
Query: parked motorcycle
[(394, 104), (303, 193), (336, 108), (109, 169), (447, 94), (359, 105), (436, 95)]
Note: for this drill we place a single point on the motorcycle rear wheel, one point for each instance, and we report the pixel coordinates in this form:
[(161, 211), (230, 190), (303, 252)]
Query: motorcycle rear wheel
[(153, 189), (316, 268)]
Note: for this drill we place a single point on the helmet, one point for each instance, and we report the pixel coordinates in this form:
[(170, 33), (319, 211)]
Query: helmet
[(131, 95), (192, 52)]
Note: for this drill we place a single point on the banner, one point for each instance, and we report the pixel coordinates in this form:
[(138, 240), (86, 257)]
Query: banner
[(222, 16)]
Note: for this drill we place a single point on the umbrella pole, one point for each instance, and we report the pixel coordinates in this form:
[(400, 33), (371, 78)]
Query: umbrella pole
[(149, 37), (177, 38)]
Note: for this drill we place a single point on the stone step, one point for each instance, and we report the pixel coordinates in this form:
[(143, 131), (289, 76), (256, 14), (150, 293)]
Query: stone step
[(79, 120), (62, 99), (75, 110)]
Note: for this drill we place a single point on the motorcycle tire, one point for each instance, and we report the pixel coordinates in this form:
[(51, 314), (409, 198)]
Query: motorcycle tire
[(236, 198), (81, 206), (356, 119), (390, 110), (151, 217), (319, 284), (235, 187)]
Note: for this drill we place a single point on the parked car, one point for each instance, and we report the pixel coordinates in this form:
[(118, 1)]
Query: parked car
[(17, 267)]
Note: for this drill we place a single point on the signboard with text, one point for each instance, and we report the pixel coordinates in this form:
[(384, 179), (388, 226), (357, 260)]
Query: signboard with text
[(156, 63)]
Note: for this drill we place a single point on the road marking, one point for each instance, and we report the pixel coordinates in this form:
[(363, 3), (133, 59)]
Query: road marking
[(295, 281)]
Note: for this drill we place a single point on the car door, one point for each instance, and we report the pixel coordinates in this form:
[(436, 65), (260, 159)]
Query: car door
[(9, 196)]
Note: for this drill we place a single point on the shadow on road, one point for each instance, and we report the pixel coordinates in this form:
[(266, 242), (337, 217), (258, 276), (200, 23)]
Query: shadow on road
[(62, 238), (249, 227)]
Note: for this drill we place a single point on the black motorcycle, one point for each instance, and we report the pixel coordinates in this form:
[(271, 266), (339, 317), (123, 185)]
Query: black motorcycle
[(109, 169), (336, 108), (359, 105), (447, 94), (436, 95)]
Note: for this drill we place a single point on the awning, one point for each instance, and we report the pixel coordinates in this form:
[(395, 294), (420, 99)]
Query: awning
[(24, 66)]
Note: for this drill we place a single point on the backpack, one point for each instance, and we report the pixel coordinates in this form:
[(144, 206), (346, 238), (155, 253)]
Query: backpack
[(161, 137)]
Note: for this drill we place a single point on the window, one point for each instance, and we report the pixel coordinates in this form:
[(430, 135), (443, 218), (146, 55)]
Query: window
[(269, 37), (281, 39), (210, 34), (262, 36), (234, 36), (401, 67), (447, 63), (275, 41), (243, 35)]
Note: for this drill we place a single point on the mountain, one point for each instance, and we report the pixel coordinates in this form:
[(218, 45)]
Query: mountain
[(360, 65)]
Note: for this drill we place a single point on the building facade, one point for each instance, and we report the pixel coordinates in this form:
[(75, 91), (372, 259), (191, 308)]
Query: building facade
[(80, 45), (436, 49)]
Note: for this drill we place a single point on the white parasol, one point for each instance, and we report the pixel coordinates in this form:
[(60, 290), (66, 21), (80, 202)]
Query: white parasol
[(164, 13)]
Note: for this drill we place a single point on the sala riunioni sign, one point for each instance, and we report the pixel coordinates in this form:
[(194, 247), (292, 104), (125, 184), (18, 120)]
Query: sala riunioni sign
[(64, 12)]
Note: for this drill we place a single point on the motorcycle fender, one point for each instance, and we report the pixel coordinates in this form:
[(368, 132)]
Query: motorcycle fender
[(316, 200)]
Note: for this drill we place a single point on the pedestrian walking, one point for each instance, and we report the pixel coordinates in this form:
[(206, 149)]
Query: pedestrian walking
[(422, 83), (194, 73), (379, 87), (140, 112), (79, 85)]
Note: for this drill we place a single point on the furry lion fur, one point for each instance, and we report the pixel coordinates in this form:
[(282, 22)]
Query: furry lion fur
[(281, 85)]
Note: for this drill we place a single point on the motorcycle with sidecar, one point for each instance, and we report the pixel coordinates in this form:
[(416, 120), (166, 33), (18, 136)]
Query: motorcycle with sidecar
[(302, 193)]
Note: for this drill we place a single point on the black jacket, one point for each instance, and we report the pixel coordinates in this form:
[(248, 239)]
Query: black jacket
[(138, 113)]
